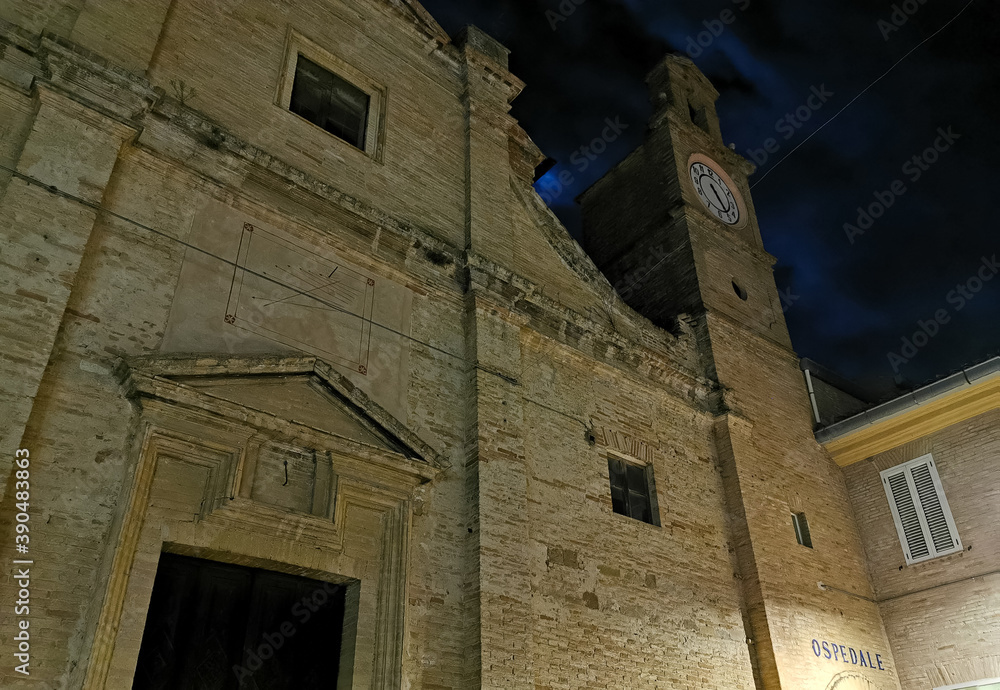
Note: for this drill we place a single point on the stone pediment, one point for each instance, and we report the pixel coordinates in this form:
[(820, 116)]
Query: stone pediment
[(298, 398), (301, 394)]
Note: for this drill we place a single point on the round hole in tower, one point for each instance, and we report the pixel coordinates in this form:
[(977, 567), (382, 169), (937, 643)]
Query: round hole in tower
[(740, 292)]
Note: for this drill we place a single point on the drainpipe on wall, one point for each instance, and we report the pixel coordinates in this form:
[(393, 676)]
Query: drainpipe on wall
[(812, 395)]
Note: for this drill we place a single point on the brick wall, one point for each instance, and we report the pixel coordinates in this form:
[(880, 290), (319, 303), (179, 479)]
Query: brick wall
[(940, 615), (770, 462), (422, 174), (617, 602), (833, 403), (782, 470), (523, 369), (670, 617)]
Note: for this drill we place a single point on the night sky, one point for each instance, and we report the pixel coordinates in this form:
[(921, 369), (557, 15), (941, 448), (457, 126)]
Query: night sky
[(851, 293)]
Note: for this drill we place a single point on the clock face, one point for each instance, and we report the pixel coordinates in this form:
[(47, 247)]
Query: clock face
[(715, 193)]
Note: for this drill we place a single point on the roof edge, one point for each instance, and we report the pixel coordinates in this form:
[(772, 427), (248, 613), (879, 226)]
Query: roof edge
[(965, 378)]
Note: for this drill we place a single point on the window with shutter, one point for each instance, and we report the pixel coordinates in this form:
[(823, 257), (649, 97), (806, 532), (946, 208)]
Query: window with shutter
[(920, 510)]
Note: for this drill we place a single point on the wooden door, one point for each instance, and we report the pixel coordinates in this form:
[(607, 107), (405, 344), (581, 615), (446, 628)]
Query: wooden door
[(217, 626)]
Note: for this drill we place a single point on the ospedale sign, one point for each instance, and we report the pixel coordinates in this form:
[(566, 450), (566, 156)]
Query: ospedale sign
[(848, 655)]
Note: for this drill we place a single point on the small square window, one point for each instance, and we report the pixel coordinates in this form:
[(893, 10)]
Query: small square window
[(326, 100), (329, 92), (633, 492), (801, 526)]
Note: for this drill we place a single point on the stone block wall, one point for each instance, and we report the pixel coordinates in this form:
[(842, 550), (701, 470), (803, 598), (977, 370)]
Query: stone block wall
[(95, 272)]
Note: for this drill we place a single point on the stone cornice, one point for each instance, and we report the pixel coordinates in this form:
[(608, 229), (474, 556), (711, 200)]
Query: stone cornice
[(162, 122), (650, 353)]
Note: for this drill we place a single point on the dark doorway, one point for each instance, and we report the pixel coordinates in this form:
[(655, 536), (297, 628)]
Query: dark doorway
[(216, 626)]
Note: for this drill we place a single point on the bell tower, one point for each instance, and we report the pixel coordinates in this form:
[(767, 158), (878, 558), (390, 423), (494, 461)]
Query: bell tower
[(673, 228), (673, 225)]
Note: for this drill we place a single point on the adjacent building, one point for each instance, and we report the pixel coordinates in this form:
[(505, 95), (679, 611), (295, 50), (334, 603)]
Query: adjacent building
[(922, 474)]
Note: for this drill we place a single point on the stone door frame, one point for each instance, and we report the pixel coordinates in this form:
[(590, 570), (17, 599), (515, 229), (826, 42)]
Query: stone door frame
[(194, 458)]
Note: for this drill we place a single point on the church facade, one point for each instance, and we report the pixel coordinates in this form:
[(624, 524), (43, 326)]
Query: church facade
[(304, 386)]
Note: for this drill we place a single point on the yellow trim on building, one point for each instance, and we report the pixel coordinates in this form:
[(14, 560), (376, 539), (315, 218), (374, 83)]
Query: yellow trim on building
[(950, 408)]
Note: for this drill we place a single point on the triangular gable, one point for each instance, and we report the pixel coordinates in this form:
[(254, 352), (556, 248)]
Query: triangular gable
[(300, 390), (552, 258)]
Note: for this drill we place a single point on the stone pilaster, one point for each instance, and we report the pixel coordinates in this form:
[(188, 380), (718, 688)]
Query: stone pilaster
[(70, 152), (499, 472), (489, 89)]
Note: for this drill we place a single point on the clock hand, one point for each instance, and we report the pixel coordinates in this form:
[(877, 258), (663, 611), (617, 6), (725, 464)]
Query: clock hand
[(716, 193)]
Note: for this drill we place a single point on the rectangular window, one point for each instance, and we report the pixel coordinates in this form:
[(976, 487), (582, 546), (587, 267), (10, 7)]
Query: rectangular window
[(801, 526), (326, 100), (331, 93), (633, 492), (920, 510)]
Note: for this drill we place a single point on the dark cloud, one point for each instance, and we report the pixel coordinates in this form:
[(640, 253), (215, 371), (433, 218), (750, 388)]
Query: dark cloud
[(855, 302)]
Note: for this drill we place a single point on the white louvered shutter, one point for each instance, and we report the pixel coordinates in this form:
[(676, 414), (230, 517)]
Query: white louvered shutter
[(920, 510)]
